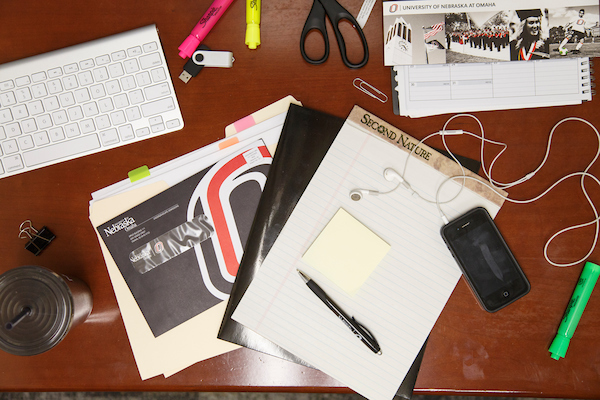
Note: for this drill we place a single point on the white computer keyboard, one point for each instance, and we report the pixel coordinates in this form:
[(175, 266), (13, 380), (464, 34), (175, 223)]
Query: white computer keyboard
[(84, 99)]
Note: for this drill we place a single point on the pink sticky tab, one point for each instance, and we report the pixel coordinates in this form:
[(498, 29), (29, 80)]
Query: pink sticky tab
[(244, 123), (228, 143)]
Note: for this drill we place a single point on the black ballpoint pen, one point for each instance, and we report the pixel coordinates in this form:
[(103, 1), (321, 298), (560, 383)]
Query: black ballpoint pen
[(359, 331)]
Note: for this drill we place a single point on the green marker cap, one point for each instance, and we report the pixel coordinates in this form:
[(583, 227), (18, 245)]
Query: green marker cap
[(559, 346)]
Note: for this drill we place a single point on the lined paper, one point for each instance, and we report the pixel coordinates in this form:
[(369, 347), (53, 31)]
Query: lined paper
[(403, 297)]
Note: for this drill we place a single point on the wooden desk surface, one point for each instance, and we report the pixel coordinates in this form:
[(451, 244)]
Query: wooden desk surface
[(469, 351)]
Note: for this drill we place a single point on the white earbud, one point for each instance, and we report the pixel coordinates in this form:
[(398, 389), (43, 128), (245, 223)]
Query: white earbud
[(358, 194), (389, 174)]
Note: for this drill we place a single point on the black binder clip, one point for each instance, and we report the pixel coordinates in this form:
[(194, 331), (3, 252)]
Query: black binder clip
[(37, 240)]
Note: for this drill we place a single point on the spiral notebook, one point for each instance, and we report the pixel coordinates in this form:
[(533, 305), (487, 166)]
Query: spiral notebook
[(425, 90)]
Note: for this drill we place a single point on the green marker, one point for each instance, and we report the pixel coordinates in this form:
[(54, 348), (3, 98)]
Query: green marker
[(580, 297)]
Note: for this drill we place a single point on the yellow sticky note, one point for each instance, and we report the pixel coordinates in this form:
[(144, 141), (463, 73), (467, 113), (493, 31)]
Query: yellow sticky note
[(346, 252)]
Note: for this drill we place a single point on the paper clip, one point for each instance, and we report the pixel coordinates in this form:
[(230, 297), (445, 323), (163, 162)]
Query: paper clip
[(38, 240), (369, 89)]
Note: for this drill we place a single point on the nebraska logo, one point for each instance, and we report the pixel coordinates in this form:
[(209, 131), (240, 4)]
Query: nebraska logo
[(125, 223)]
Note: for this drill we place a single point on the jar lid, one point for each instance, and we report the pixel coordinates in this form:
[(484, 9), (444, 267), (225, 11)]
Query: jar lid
[(36, 306)]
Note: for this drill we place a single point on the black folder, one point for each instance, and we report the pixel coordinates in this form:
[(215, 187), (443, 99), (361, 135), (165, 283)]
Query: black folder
[(305, 139)]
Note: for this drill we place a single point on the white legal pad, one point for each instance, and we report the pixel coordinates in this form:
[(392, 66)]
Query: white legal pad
[(403, 297)]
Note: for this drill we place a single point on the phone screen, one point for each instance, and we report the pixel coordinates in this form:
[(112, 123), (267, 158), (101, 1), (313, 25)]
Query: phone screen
[(485, 260)]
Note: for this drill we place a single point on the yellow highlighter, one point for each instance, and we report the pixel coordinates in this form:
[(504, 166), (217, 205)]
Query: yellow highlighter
[(252, 23)]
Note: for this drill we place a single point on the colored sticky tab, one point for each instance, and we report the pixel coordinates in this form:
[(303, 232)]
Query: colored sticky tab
[(138, 173), (346, 252), (230, 142)]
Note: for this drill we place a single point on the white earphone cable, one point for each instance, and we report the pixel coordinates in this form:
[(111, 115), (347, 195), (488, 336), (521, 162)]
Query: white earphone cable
[(496, 186)]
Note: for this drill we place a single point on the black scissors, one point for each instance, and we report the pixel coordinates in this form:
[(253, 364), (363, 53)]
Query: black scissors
[(336, 13)]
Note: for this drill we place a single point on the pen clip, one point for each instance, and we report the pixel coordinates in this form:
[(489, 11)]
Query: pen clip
[(362, 329)]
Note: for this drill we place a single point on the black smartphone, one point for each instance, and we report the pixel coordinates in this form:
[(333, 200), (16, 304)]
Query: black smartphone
[(487, 263)]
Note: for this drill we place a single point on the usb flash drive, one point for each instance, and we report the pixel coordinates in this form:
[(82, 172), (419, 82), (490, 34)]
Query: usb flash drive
[(204, 57)]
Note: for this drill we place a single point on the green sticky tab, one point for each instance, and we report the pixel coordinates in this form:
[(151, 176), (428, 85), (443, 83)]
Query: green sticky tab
[(138, 173)]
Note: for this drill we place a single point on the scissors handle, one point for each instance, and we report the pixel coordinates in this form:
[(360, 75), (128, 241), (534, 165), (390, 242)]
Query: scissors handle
[(336, 13)]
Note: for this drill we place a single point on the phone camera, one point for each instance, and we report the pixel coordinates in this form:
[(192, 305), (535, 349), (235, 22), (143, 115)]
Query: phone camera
[(505, 293)]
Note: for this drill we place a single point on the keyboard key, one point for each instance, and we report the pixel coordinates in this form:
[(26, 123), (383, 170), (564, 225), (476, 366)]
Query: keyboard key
[(54, 86), (102, 121), (142, 132), (157, 127), (85, 78), (116, 70), (134, 51), (133, 113), (70, 82), (103, 59), (101, 74), (128, 82), (131, 66), (126, 132), (109, 137), (20, 111), (87, 126), (121, 100), (10, 146), (51, 103), (87, 64), (25, 142), (23, 94), (158, 74), (90, 109), (60, 117), (66, 99), (13, 163), (157, 91), (41, 138), (75, 113), (172, 124), (56, 134), (7, 85), (35, 107), (13, 129), (117, 118), (62, 150), (82, 95), (29, 126), (143, 79), (22, 81), (150, 61), (38, 76), (55, 72), (71, 68), (98, 91), (136, 97), (1, 168), (106, 105), (157, 107), (8, 99), (39, 91), (118, 55), (113, 87), (72, 130), (5, 116), (149, 47), (44, 121)]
